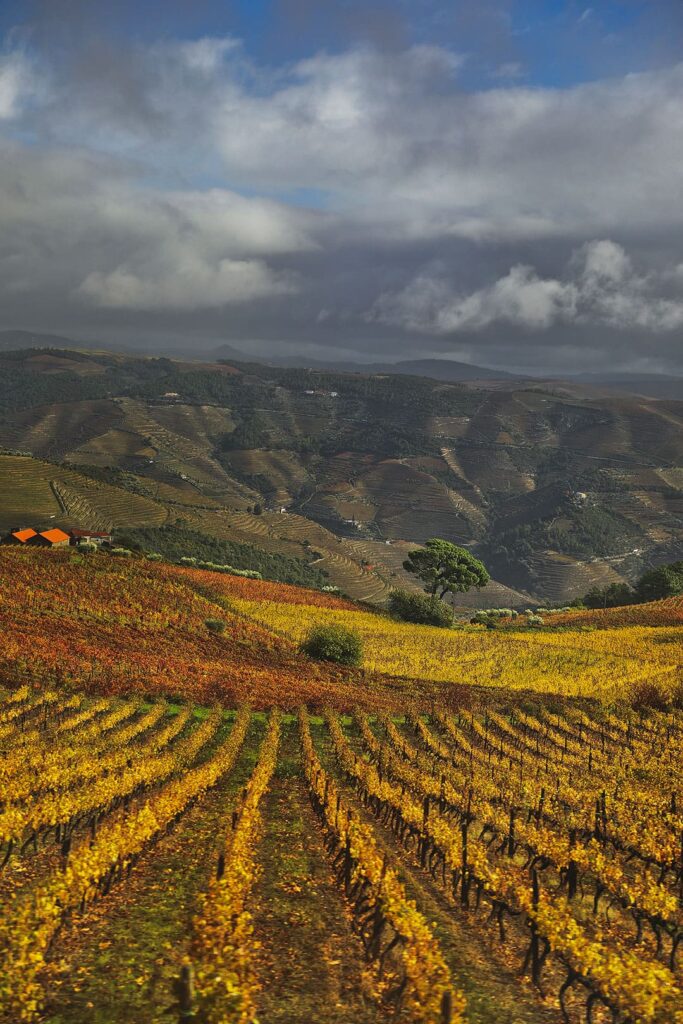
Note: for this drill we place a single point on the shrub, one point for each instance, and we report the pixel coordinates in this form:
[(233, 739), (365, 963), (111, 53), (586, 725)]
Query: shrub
[(215, 625), (534, 620), (249, 574), (648, 694), (424, 609), (87, 546), (334, 643), (121, 552), (153, 556)]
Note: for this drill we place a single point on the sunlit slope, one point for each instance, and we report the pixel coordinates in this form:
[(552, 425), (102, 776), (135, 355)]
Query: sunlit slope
[(607, 665), (668, 612), (141, 627), (39, 492), (132, 627)]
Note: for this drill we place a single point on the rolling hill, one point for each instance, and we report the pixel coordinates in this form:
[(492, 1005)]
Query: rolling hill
[(199, 821), (557, 486)]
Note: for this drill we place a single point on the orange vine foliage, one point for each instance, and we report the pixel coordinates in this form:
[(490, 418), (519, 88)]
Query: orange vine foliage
[(131, 627), (260, 590), (668, 612)]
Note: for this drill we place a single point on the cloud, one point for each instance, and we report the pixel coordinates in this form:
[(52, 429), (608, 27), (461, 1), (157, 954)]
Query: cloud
[(191, 251), (390, 138), (85, 226), (207, 54), (602, 289), (334, 122), (17, 84), (189, 283), (326, 201), (510, 71), (395, 135)]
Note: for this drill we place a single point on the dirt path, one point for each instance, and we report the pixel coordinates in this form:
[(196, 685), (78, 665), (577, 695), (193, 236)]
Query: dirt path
[(118, 963), (312, 966), (481, 969)]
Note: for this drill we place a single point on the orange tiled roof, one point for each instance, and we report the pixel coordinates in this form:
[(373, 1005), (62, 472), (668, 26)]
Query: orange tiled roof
[(54, 536), (24, 535)]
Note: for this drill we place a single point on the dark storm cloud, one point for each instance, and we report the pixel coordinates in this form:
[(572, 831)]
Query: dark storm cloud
[(359, 200)]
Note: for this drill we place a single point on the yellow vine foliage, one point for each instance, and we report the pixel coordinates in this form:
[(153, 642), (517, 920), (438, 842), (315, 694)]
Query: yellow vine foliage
[(604, 664), (223, 944)]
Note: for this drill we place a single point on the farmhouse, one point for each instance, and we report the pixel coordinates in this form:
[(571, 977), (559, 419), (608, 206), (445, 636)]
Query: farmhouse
[(92, 536), (54, 538), (20, 536)]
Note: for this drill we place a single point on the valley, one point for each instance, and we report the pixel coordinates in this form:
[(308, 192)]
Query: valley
[(557, 486)]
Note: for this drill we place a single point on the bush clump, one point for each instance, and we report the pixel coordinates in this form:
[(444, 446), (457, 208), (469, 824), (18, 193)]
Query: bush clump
[(334, 643), (122, 552), (249, 574), (215, 625), (87, 547), (200, 563), (649, 694), (424, 609)]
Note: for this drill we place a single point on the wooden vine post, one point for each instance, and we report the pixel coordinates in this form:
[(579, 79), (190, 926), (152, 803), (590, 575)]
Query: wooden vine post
[(183, 988)]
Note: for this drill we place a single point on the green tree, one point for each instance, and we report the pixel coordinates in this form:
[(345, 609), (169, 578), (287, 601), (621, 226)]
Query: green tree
[(612, 596), (424, 609), (445, 568), (664, 581)]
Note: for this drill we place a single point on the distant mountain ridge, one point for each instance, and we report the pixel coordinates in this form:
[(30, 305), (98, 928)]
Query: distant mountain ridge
[(652, 385), (436, 369), (10, 340), (445, 369)]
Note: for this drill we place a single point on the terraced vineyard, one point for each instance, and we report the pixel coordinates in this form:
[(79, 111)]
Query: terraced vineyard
[(559, 575), (37, 491), (293, 534), (509, 863), (556, 487)]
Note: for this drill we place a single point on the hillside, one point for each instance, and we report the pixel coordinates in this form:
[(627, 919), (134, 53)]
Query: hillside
[(167, 847), (110, 625), (131, 626), (558, 487), (668, 612)]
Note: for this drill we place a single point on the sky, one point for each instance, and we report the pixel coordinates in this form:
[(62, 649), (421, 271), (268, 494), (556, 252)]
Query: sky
[(499, 183)]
